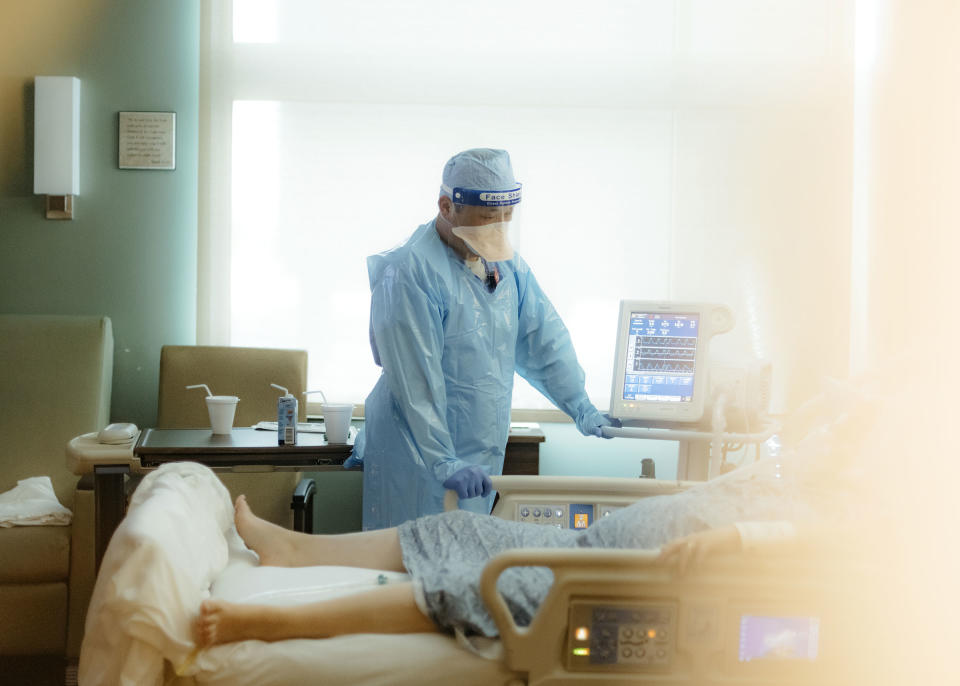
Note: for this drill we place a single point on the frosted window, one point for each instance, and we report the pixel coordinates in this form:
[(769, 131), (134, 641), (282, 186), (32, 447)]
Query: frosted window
[(667, 149)]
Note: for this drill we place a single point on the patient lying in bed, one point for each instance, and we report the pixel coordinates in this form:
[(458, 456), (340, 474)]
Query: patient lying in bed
[(445, 553), (178, 547)]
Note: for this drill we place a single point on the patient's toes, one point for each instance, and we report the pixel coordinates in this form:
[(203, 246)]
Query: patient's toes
[(241, 510), (246, 521), (207, 622), (248, 524), (265, 538)]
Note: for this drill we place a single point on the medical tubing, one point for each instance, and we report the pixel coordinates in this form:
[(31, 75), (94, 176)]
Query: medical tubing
[(718, 423)]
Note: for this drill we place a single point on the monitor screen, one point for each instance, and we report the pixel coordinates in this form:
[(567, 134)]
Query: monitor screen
[(661, 357), (778, 638), (661, 370)]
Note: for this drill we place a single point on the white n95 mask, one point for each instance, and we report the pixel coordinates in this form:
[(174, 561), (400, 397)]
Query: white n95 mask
[(489, 241)]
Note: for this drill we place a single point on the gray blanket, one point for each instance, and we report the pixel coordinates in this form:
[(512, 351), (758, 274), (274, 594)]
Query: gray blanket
[(446, 552)]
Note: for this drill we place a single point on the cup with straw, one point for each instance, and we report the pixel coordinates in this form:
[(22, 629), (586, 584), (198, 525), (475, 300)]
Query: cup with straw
[(221, 409)]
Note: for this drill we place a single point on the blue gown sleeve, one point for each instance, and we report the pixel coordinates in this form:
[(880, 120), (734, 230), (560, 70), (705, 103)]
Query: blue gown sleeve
[(406, 323), (545, 354)]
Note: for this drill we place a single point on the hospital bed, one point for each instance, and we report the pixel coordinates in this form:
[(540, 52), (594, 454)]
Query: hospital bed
[(611, 617)]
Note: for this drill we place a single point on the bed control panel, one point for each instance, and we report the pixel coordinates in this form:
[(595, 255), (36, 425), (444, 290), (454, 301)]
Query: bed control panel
[(564, 515), (621, 637)]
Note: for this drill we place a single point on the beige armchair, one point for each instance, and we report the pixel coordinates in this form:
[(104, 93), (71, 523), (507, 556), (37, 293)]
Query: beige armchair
[(55, 382), (246, 373)]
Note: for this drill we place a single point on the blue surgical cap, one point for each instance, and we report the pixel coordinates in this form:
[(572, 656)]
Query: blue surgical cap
[(482, 169)]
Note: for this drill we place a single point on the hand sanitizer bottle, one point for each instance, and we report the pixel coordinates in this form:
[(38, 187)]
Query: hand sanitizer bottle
[(286, 417)]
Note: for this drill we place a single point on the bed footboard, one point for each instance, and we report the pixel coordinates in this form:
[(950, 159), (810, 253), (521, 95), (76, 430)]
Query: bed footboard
[(617, 616)]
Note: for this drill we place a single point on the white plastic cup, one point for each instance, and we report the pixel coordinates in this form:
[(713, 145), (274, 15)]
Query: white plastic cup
[(222, 409), (336, 418)]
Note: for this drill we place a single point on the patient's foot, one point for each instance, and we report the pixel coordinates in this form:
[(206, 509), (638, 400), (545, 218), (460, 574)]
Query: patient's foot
[(223, 622), (271, 542)]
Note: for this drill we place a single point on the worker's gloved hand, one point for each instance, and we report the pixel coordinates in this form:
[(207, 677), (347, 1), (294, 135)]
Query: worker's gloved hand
[(591, 423), (355, 461), (469, 482)]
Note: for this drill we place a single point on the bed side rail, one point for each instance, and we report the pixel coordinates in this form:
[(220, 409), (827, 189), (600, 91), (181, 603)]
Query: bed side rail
[(703, 612), (524, 647), (616, 491)]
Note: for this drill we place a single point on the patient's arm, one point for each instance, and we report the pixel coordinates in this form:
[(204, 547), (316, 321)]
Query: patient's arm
[(688, 551), (387, 609)]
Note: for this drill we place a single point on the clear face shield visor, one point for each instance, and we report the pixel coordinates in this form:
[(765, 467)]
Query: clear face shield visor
[(485, 219)]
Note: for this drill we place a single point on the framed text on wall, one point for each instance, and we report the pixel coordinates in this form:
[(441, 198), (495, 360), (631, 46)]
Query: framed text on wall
[(147, 140)]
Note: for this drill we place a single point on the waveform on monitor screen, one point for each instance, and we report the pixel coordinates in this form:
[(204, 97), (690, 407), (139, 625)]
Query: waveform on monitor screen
[(669, 341), (667, 353), (652, 365)]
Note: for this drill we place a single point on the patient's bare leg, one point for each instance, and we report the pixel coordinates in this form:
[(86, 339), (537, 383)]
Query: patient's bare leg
[(382, 610), (280, 547)]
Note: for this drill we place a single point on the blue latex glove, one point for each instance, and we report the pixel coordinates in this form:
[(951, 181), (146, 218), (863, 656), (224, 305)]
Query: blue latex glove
[(592, 423), (469, 482)]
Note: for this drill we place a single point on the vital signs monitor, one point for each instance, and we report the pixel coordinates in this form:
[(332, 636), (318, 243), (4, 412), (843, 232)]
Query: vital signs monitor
[(660, 369)]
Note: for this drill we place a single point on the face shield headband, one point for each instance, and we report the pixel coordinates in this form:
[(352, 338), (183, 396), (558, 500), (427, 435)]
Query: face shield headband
[(476, 198)]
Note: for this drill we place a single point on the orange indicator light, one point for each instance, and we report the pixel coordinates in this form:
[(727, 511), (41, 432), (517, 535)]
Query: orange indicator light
[(582, 633), (652, 633)]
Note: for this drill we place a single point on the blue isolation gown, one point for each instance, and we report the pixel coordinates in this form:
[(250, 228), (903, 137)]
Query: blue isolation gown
[(448, 348)]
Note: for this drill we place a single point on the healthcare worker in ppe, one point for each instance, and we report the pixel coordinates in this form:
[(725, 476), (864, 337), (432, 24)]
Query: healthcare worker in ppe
[(454, 312)]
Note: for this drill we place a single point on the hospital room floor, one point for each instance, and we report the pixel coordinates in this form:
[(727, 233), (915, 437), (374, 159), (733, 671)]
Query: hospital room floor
[(41, 670)]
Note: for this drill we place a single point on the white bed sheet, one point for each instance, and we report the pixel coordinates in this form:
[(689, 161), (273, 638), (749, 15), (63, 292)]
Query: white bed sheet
[(177, 546), (356, 659)]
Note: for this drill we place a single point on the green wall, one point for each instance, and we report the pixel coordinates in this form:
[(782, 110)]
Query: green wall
[(131, 251)]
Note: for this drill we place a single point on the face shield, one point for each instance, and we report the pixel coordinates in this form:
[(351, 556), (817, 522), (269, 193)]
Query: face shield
[(484, 220)]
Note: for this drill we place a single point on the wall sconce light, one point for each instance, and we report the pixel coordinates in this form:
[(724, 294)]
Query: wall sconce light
[(56, 143)]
